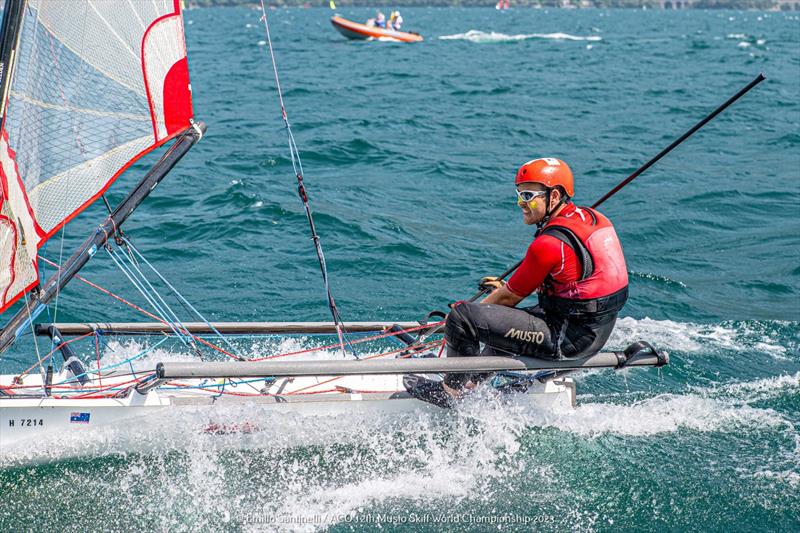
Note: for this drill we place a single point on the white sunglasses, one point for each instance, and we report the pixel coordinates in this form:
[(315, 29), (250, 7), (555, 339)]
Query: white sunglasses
[(528, 196)]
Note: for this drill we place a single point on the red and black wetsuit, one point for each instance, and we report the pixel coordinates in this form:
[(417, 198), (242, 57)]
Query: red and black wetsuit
[(577, 266)]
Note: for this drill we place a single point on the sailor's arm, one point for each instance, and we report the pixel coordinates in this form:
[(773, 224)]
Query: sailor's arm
[(543, 257), (503, 296)]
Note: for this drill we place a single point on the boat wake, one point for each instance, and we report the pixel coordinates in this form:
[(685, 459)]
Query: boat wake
[(747, 336), (746, 40), (481, 37), (704, 409), (244, 427), (246, 467), (310, 474)]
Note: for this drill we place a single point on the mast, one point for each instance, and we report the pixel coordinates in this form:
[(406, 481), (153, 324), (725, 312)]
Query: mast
[(9, 40), (21, 321)]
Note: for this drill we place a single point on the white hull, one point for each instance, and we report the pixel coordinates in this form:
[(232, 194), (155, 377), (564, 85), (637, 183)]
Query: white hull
[(37, 428)]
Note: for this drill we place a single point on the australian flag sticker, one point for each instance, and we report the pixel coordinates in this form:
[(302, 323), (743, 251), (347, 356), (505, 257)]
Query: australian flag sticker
[(79, 418)]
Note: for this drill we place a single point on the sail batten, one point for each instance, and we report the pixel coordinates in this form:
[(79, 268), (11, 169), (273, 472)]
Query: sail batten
[(85, 110), (95, 86), (48, 193)]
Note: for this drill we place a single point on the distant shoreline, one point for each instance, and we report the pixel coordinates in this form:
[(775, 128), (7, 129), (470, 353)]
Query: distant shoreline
[(762, 5)]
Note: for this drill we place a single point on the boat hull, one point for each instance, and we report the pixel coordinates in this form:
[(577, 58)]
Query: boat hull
[(41, 429), (356, 31)]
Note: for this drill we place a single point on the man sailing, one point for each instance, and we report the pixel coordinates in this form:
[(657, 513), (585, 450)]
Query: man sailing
[(575, 264)]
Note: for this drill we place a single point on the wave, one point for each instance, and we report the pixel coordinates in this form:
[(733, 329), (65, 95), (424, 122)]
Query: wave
[(657, 278), (688, 337), (318, 466), (789, 477), (328, 468), (746, 40), (481, 37), (665, 413), (758, 390)]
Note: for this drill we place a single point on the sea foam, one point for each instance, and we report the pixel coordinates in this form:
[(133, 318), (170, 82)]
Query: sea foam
[(481, 37)]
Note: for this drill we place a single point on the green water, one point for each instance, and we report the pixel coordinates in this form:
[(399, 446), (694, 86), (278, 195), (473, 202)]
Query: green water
[(409, 155)]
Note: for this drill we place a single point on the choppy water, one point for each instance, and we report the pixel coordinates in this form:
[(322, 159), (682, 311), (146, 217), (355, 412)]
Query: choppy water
[(409, 155)]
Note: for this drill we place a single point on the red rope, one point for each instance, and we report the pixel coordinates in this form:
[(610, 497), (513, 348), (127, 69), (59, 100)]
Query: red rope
[(357, 341), (54, 350), (225, 352), (441, 349), (94, 394), (426, 345), (101, 289)]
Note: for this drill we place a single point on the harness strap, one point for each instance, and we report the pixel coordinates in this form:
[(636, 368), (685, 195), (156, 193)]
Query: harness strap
[(570, 239), (576, 308)]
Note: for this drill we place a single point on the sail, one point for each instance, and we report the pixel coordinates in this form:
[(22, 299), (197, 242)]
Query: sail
[(95, 85)]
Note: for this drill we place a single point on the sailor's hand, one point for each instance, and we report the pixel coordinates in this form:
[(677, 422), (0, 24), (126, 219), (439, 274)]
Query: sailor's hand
[(490, 283)]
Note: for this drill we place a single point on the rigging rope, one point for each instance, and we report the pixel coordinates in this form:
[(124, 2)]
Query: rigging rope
[(143, 311), (33, 331), (68, 390), (297, 166), (152, 298), (42, 279), (178, 295), (133, 272)]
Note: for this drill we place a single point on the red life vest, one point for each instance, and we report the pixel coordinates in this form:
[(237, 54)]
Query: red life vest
[(603, 284)]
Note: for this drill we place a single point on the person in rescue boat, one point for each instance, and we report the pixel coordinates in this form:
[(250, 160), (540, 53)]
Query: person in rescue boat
[(575, 264), (395, 21)]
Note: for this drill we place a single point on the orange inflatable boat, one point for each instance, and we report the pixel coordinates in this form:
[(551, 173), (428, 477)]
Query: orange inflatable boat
[(354, 30)]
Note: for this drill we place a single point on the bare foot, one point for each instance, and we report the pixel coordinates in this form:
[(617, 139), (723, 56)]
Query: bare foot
[(456, 393)]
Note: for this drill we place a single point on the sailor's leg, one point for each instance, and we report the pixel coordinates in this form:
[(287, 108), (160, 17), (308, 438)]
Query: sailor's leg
[(502, 330), (580, 338)]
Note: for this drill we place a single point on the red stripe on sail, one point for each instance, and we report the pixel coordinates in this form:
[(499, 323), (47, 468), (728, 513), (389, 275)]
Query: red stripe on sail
[(13, 155), (177, 97), (5, 220)]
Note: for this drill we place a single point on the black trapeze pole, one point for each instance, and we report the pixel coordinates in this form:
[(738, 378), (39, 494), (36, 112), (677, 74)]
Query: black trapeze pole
[(758, 79), (20, 322)]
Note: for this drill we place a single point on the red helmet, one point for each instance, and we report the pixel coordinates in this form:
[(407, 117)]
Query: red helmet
[(548, 171)]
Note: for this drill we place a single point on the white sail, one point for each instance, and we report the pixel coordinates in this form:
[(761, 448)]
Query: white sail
[(96, 84)]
